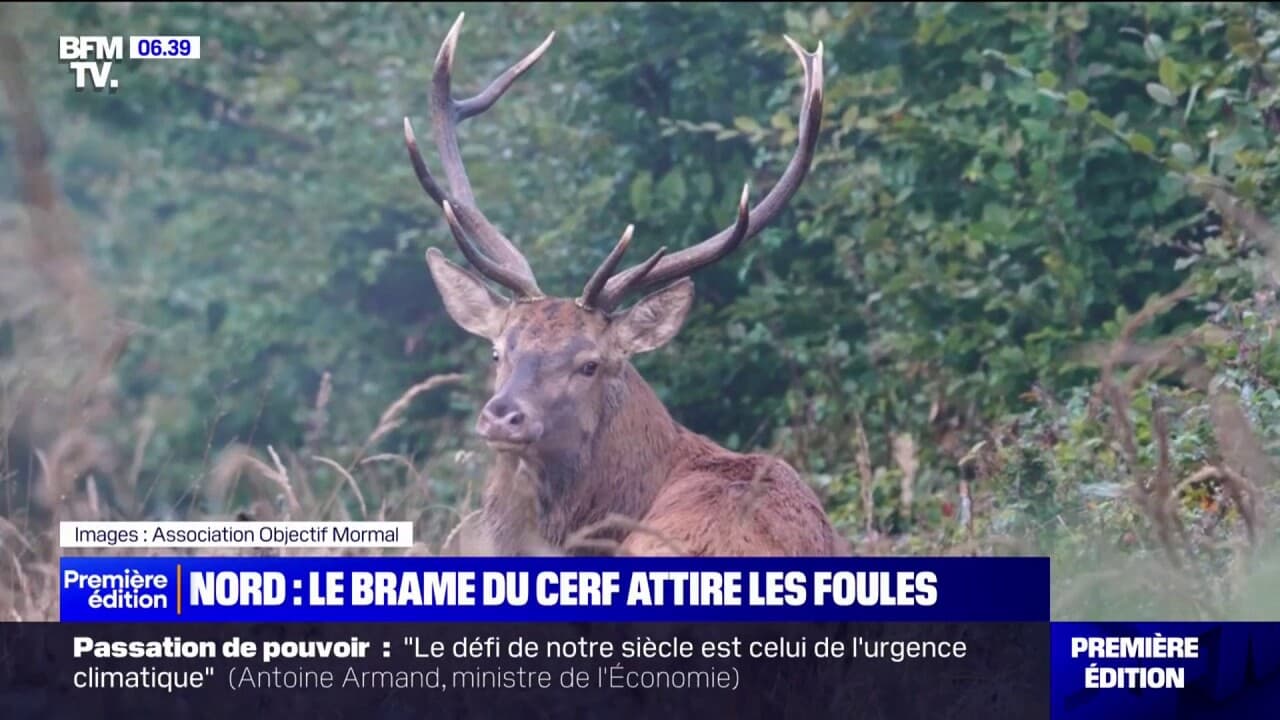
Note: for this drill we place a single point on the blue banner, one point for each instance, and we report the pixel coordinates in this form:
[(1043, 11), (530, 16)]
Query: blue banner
[(387, 589), (1135, 671), (1098, 670)]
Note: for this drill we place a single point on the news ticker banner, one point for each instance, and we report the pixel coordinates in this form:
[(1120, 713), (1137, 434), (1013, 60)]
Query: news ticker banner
[(898, 670), (550, 589), (685, 627), (615, 670)]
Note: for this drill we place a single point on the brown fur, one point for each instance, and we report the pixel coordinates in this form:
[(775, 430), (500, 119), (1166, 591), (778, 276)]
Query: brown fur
[(641, 464)]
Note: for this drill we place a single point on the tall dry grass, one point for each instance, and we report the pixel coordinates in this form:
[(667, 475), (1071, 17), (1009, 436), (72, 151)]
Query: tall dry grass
[(1239, 469), (271, 485)]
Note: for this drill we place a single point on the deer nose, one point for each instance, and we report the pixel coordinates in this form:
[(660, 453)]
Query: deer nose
[(503, 421), (501, 413)]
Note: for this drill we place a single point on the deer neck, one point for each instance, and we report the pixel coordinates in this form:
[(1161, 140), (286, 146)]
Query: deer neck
[(619, 470)]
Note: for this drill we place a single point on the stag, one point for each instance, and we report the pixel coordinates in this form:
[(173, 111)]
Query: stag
[(580, 439)]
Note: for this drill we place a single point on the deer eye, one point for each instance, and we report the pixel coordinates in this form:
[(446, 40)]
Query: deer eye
[(495, 354), (589, 369)]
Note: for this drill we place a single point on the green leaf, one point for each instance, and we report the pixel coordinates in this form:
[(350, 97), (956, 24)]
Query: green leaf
[(1141, 143), (747, 125), (1169, 74), (1077, 18), (849, 117), (821, 20), (1183, 153), (1077, 100), (1242, 42), (642, 192), (1161, 94), (796, 20), (868, 124), (1153, 45), (702, 184), (672, 189), (1104, 120), (1047, 79)]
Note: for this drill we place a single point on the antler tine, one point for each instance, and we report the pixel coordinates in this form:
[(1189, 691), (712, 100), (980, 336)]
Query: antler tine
[(425, 179), (495, 271), (749, 223), (646, 274), (446, 114), (485, 99), (596, 283), (608, 302)]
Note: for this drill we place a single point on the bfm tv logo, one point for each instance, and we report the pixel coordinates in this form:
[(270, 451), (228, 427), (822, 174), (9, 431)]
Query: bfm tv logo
[(90, 58)]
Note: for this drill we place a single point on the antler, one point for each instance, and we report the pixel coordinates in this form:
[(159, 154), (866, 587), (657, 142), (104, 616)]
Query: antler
[(658, 270), (493, 255), (595, 285)]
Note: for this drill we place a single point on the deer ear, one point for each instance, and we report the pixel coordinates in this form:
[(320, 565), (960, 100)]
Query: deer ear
[(652, 322), (469, 301)]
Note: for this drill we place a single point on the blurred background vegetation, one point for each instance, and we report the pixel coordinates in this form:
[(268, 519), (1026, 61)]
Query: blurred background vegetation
[(1024, 303)]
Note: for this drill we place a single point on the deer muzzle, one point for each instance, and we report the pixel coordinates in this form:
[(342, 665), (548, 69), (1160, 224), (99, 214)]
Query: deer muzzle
[(504, 423)]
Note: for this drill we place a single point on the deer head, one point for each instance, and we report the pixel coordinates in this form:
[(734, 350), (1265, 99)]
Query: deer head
[(561, 363)]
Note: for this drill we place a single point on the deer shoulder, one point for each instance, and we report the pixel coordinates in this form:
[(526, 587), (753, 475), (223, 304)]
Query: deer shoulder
[(721, 503)]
